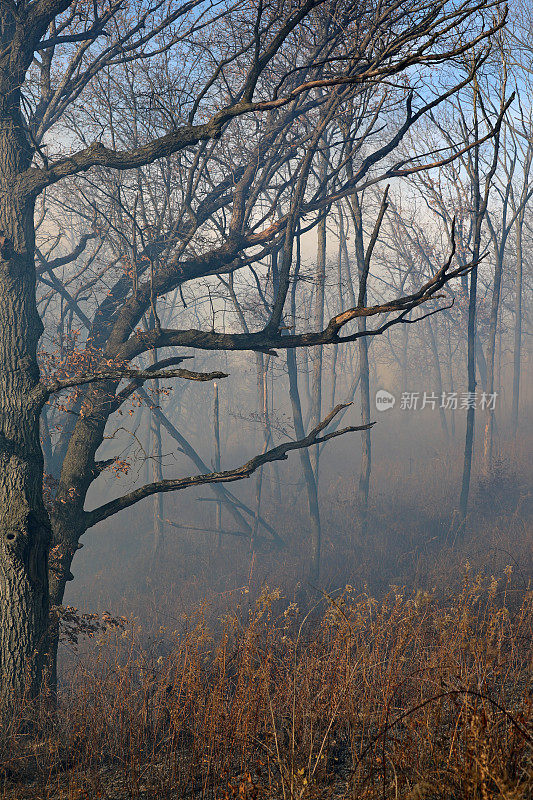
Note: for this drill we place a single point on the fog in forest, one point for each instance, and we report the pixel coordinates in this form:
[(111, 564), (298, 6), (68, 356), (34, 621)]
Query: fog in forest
[(168, 554), (266, 399)]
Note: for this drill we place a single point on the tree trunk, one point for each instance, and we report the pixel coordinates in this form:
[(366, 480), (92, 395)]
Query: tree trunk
[(335, 349), (299, 429), (364, 369), (67, 528), (366, 443), (450, 370), (405, 356), (471, 377), (491, 351), (24, 524), (438, 376), (309, 475), (320, 280), (79, 470), (479, 210), (157, 474), (216, 459), (517, 325), (481, 362), (262, 388)]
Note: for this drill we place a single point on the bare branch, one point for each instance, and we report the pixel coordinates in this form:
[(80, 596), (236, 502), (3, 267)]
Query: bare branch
[(266, 341), (46, 265), (278, 453), (57, 385), (136, 383), (358, 74)]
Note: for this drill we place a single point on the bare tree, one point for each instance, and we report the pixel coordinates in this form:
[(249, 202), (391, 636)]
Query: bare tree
[(514, 188), (52, 55)]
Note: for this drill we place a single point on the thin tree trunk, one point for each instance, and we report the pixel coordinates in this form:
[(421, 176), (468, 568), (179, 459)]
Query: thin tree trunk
[(366, 442), (146, 427), (479, 210), (481, 362), (438, 376), (262, 400), (157, 473), (320, 279), (216, 460), (262, 365), (364, 369), (305, 370), (471, 378), (517, 325), (450, 357), (405, 353), (491, 351), (305, 460), (299, 429), (335, 353)]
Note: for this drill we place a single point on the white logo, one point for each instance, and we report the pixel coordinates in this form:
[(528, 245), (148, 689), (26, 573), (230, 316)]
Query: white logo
[(384, 400)]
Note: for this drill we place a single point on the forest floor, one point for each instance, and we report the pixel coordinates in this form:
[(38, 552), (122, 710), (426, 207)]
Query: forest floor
[(407, 676), (412, 696)]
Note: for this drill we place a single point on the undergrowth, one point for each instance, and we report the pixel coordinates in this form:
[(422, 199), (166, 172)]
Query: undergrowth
[(415, 696)]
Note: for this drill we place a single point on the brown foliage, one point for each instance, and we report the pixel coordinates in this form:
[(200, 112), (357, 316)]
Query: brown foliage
[(412, 696)]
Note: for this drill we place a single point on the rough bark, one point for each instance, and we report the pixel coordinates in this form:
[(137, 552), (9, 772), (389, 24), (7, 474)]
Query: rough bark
[(79, 470), (24, 524)]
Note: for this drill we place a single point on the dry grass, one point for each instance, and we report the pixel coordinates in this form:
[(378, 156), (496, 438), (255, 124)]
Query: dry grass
[(413, 696), (222, 688)]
